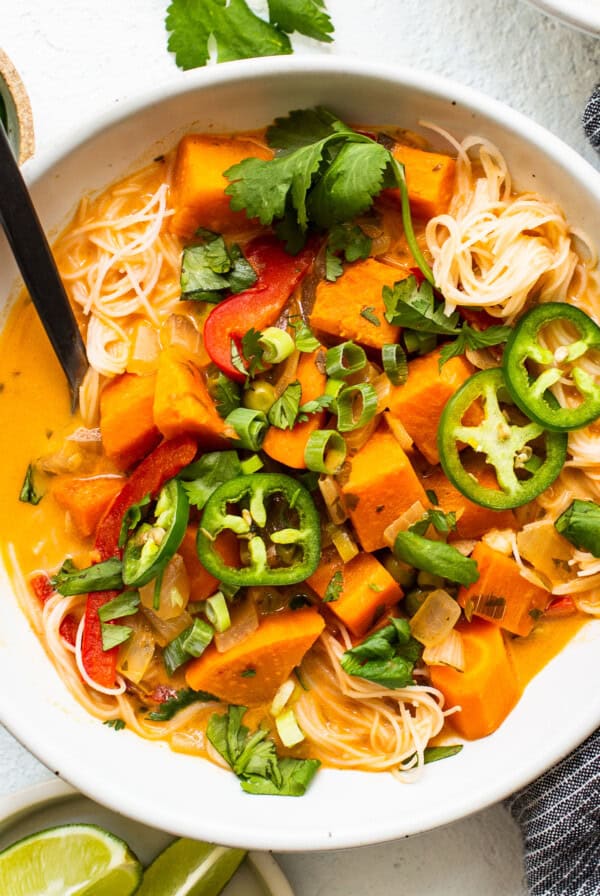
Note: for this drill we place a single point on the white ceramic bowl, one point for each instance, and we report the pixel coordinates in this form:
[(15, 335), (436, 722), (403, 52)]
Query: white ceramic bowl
[(581, 14), (183, 794)]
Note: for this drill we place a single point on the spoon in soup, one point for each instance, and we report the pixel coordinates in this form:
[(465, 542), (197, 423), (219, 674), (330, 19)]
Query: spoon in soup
[(32, 253)]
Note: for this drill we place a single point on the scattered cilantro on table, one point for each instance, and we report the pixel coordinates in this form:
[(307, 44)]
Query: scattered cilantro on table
[(238, 32)]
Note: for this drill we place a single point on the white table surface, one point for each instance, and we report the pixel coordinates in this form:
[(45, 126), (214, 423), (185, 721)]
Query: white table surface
[(79, 56)]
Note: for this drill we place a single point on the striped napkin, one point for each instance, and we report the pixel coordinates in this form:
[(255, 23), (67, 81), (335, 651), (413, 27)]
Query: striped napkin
[(559, 817), (591, 119)]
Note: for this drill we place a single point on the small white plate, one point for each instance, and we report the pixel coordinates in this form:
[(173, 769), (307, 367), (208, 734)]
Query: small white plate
[(581, 14), (55, 802)]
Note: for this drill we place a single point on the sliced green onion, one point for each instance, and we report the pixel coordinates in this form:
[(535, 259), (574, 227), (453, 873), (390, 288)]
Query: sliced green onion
[(259, 396), (282, 696), (199, 637), (113, 635), (125, 604), (325, 452), (288, 728), (395, 364), (217, 612), (250, 426), (356, 406), (344, 359), (333, 387), (277, 345), (252, 465)]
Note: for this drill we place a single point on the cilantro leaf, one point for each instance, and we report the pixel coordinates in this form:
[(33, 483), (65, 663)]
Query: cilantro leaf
[(333, 266), (210, 270), (580, 525), (225, 393), (116, 724), (238, 32), (253, 757), (29, 494), (316, 404), (368, 312), (303, 127), (201, 478), (304, 338), (386, 657), (410, 305), (473, 339), (335, 587), (308, 17), (125, 604), (252, 352), (284, 411), (348, 240), (181, 699), (436, 517), (113, 635), (349, 184)]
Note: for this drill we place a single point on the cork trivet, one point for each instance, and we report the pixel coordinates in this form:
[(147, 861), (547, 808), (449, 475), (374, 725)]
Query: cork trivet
[(22, 106)]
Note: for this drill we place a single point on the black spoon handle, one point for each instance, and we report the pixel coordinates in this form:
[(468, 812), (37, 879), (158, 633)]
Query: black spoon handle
[(38, 269)]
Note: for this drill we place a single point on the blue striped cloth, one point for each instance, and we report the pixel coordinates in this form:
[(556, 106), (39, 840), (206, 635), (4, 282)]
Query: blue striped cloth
[(559, 817), (591, 119)]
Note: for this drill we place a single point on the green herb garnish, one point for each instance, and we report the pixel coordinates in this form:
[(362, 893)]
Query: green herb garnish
[(413, 306), (29, 494), (284, 411), (386, 657), (125, 604), (116, 724), (105, 576), (201, 478), (211, 271), (184, 697), (473, 339), (580, 525), (335, 587)]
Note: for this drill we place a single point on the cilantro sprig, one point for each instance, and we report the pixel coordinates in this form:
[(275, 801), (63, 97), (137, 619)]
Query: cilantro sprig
[(323, 174), (473, 339), (211, 270), (386, 657), (253, 757), (238, 32)]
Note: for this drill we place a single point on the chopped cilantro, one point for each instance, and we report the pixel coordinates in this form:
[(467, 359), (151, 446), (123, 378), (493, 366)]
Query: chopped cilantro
[(211, 270), (113, 635), (386, 657), (473, 339), (369, 314), (349, 241), (412, 306), (201, 478), (303, 336), (29, 493), (105, 576), (225, 393), (181, 699), (335, 587), (284, 411), (436, 517), (132, 518), (116, 724)]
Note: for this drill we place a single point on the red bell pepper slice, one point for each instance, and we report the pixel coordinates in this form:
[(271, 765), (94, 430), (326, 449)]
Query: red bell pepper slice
[(258, 307), (561, 606), (162, 464), (43, 589)]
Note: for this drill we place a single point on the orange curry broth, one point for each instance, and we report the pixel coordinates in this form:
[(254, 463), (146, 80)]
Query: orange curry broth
[(35, 417)]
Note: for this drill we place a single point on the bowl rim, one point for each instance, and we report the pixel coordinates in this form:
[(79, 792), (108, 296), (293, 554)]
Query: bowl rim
[(441, 89), (576, 13)]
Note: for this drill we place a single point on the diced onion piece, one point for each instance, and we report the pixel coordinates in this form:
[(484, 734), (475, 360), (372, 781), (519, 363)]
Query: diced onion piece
[(398, 431), (217, 612), (325, 451), (244, 621), (356, 406), (136, 653), (287, 374), (344, 359), (357, 438), (282, 696), (145, 348), (382, 388), (501, 540), (403, 522), (464, 546), (179, 330), (449, 652), (174, 590), (85, 435), (540, 544), (333, 500), (435, 618), (277, 345), (190, 741), (344, 543), (288, 728), (166, 630)]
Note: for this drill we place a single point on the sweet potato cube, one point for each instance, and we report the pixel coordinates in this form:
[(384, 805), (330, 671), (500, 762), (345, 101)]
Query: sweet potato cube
[(472, 520), (487, 690), (338, 305), (126, 418), (182, 403), (382, 485), (198, 193), (502, 595), (430, 180), (420, 401), (86, 498), (287, 445), (202, 583), (251, 672), (367, 590)]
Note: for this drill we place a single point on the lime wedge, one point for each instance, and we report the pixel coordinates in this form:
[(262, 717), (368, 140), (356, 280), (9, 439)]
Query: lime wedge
[(71, 860), (190, 868)]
